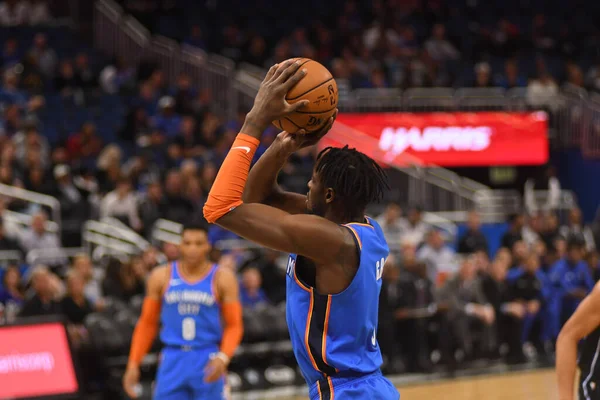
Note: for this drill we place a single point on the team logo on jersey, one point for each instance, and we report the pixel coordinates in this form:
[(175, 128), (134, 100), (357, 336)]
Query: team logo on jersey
[(374, 339)]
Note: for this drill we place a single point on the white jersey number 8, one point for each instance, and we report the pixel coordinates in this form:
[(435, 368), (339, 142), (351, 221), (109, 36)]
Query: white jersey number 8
[(188, 328)]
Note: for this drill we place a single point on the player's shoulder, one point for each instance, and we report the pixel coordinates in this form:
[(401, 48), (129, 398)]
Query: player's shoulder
[(160, 274), (225, 275), (596, 290)]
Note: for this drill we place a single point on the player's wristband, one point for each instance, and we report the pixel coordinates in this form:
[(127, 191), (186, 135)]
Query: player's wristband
[(224, 357)]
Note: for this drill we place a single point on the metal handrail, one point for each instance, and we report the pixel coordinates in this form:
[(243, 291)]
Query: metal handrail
[(25, 220), (10, 255), (33, 197)]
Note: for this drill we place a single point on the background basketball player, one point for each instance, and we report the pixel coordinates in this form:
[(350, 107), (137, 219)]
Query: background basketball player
[(198, 306), (338, 254), (584, 323)]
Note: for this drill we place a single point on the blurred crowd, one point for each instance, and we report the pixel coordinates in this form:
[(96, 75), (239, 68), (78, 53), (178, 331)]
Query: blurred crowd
[(461, 303), (443, 300), (400, 44)]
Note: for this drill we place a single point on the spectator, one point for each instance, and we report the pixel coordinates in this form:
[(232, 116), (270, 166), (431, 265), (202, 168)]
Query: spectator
[(272, 270), (593, 262), (509, 313), (84, 146), (124, 281), (575, 229), (167, 121), (66, 84), (511, 78), (571, 280), (473, 240), (75, 305), (179, 208), (44, 56), (74, 207), (92, 277), (483, 76), (550, 229), (152, 207), (387, 335), (85, 76), (520, 250), (251, 293), (414, 305), (37, 237), (438, 47), (7, 243), (526, 289), (467, 309), (415, 228), (43, 301), (439, 258), (548, 184), (10, 54), (121, 204), (532, 230), (184, 95), (11, 290), (514, 233), (391, 223), (14, 13), (11, 93), (117, 76), (542, 91)]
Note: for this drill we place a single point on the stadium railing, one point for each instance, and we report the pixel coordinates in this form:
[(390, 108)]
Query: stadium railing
[(116, 33), (33, 198)]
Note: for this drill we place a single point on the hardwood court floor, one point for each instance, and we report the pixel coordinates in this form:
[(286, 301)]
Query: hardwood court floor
[(535, 385), (538, 385)]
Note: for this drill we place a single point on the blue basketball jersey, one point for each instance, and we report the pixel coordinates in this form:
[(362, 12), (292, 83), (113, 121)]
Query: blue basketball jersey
[(338, 333), (191, 315)]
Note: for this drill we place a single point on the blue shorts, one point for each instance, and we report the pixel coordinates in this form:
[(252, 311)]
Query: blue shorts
[(180, 376), (372, 386)]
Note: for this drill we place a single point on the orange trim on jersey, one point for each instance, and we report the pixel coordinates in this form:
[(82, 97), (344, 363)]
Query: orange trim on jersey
[(330, 388), (308, 318), (326, 325), (319, 390), (355, 235), (302, 285), (361, 224)]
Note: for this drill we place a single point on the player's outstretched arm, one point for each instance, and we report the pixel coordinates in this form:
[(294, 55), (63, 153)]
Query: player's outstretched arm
[(146, 328), (233, 327), (585, 319), (262, 184), (307, 235)]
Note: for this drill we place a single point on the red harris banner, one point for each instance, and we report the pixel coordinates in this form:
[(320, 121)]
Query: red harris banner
[(445, 139), (35, 360)]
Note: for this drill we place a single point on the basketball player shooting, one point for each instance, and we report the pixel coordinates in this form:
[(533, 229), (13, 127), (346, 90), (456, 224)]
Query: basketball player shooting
[(198, 305), (337, 254), (583, 324)]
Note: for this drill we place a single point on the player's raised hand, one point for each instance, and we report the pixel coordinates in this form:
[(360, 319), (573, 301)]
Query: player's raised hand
[(270, 103), (292, 142), (131, 381), (215, 369)]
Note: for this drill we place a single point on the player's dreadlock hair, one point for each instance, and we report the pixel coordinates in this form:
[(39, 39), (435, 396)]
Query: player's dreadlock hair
[(356, 179)]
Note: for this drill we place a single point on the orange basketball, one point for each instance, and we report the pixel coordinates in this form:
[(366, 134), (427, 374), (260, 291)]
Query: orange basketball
[(319, 87)]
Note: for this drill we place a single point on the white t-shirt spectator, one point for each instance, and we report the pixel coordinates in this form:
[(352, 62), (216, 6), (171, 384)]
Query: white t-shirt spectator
[(438, 260), (114, 206)]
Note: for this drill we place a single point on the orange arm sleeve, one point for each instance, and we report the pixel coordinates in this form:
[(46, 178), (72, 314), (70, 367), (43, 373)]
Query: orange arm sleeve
[(228, 188), (145, 331), (234, 328)]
